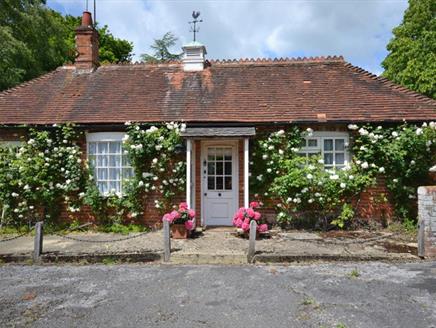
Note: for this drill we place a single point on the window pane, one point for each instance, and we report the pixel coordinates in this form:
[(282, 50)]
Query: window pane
[(114, 174), (102, 174), (114, 160), (102, 148), (313, 143), (103, 187), (102, 161), (211, 183), (92, 148), (228, 183), (127, 173), (211, 168), (92, 160), (328, 144), (339, 144), (219, 183), (114, 186), (228, 168), (303, 143), (219, 168), (328, 159), (115, 147), (126, 161), (340, 158)]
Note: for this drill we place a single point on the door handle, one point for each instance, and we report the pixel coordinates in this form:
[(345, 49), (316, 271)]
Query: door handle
[(205, 193), (219, 194)]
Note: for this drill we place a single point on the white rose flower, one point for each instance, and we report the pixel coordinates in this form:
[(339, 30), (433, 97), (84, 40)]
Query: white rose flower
[(309, 176), (381, 169), (155, 160), (365, 165), (265, 156), (419, 131), (269, 170), (280, 132), (352, 127), (334, 177), (343, 185)]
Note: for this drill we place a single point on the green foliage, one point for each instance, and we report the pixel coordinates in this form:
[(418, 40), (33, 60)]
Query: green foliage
[(161, 49), (111, 49), (346, 215), (124, 229), (412, 51), (32, 41), (354, 273), (45, 170), (403, 155), (35, 39)]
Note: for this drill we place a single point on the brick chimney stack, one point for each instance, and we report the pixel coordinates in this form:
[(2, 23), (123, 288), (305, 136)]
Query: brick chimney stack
[(86, 45)]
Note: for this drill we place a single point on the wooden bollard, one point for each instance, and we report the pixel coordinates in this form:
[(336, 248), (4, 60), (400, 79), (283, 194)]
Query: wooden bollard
[(167, 241), (39, 235), (252, 241)]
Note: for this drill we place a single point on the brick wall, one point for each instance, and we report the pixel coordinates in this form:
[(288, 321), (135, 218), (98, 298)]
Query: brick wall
[(427, 221)]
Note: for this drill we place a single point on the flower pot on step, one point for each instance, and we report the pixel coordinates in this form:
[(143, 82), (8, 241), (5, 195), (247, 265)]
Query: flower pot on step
[(179, 231)]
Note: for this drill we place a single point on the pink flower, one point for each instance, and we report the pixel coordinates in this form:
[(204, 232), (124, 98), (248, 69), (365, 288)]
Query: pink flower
[(189, 225), (257, 216), (254, 204), (167, 217), (247, 220), (237, 223), (183, 206), (263, 228), (250, 212), (175, 215), (241, 213), (191, 214), (245, 226)]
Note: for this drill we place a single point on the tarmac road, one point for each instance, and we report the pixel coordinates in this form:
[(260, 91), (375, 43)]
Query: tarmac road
[(318, 295)]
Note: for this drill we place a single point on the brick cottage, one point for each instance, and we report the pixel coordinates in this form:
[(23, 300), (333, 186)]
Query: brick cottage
[(224, 104)]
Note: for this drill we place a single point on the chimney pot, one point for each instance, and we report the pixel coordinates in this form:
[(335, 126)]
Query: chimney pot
[(87, 19)]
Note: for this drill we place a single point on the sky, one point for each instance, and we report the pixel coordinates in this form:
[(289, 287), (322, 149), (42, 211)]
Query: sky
[(359, 30)]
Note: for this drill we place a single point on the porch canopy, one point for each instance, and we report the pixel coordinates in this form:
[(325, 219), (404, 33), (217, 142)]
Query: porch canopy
[(226, 132)]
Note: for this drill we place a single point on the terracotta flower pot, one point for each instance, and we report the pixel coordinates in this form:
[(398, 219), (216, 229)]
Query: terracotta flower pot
[(179, 231)]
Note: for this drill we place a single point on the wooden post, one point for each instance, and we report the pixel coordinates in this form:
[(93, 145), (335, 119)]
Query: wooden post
[(421, 238), (252, 241), (167, 241), (37, 251)]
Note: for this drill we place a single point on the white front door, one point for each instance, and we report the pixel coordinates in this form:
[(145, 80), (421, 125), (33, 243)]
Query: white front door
[(220, 183)]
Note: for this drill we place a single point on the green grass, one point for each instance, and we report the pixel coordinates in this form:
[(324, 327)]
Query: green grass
[(109, 261), (123, 229), (308, 301), (354, 273)]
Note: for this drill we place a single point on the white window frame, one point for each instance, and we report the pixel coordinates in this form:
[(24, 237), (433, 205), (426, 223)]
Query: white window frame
[(10, 143), (320, 136), (107, 137)]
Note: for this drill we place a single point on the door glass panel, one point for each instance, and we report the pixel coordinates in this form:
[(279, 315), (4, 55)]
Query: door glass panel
[(211, 168), (219, 183), (228, 168), (228, 183), (211, 183), (219, 168)]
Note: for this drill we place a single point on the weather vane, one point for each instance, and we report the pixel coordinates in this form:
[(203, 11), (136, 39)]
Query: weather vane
[(194, 27)]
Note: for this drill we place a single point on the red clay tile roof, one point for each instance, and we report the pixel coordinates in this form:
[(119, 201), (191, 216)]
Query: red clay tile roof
[(298, 90)]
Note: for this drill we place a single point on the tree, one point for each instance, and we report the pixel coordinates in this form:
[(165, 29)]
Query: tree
[(111, 49), (411, 61), (35, 39), (161, 50), (31, 41)]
